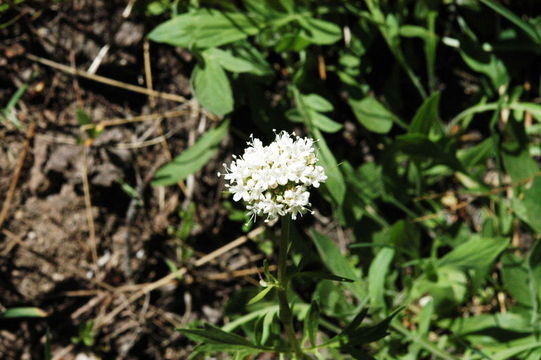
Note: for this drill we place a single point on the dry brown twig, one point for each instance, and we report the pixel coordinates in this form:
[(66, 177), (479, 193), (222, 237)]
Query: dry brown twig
[(106, 80), (16, 174), (147, 288), (88, 207)]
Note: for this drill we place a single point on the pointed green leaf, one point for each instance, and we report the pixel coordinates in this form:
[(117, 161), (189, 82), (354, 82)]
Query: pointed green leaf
[(193, 158), (317, 275), (260, 295), (213, 335), (312, 322), (205, 28), (426, 116), (337, 263), (23, 312)]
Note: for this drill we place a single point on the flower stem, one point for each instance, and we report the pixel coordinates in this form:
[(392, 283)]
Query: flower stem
[(285, 314)]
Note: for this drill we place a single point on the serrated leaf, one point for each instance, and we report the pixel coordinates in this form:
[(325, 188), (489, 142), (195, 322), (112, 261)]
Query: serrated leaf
[(204, 28), (23, 312), (193, 158)]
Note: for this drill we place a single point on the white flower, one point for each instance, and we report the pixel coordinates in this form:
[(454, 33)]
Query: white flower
[(273, 180)]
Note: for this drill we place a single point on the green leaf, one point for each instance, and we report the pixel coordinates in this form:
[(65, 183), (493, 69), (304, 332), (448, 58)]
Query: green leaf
[(476, 155), (416, 339), (484, 62), (421, 147), (324, 123), (474, 253), (337, 263), (291, 42), (529, 208), (260, 295), (509, 15), (534, 267), (319, 31), (213, 335), (368, 334), (193, 158), (426, 116), (508, 322), (83, 118), (319, 275), (372, 114), (317, 103), (267, 324), (211, 87), (516, 279), (8, 5), (312, 322), (335, 181), (320, 121), (248, 52), (506, 354), (377, 275), (23, 312), (414, 31), (205, 28), (233, 63)]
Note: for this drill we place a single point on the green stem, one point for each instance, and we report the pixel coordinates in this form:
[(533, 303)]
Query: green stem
[(286, 317)]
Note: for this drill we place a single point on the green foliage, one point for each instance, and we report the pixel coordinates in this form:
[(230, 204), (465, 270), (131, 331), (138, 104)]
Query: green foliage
[(426, 117), (22, 312), (86, 334), (193, 158)]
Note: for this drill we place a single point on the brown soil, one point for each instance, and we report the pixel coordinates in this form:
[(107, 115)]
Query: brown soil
[(46, 242)]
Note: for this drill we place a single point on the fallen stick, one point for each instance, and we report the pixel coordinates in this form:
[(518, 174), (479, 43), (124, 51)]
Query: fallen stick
[(106, 80), (17, 174)]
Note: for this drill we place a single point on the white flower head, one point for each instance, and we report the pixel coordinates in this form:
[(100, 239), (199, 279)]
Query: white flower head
[(273, 180)]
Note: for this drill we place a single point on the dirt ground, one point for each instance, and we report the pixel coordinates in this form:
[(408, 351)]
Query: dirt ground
[(73, 241)]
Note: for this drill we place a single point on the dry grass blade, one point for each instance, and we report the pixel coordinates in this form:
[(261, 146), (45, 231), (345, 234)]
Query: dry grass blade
[(16, 175), (106, 80)]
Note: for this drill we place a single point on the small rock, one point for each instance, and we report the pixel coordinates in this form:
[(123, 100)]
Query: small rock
[(129, 34)]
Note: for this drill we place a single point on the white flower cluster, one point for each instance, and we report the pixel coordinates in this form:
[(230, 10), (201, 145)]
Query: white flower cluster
[(273, 180)]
